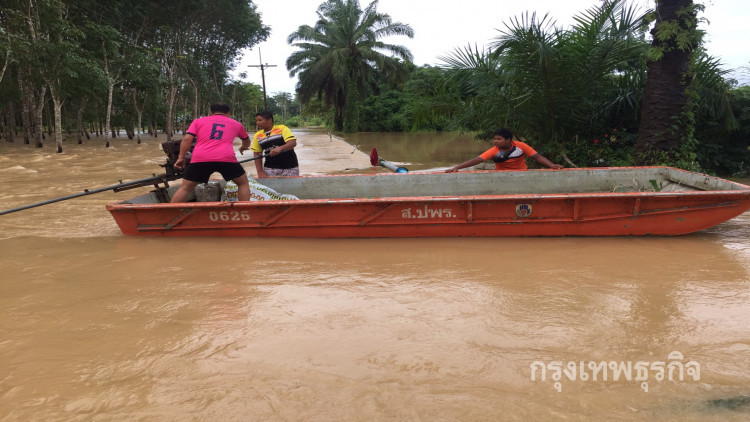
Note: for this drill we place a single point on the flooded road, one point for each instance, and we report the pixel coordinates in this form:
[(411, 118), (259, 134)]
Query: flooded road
[(98, 326)]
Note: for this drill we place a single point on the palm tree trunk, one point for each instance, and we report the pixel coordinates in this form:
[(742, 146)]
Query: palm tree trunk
[(662, 127), (351, 113)]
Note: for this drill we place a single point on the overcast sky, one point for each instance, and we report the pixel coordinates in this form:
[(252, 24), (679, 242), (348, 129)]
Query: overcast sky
[(441, 25)]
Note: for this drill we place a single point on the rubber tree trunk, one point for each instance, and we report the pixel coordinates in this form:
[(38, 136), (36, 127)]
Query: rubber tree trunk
[(57, 104), (10, 121), (39, 116), (25, 109), (108, 120), (81, 128), (171, 96), (139, 116), (138, 126)]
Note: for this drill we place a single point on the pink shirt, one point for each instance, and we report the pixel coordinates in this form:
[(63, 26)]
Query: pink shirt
[(215, 135)]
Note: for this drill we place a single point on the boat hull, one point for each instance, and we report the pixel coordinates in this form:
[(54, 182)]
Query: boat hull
[(510, 214)]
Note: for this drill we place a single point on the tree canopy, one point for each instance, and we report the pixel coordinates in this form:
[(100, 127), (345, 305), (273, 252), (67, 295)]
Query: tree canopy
[(342, 58), (606, 91), (162, 59), (577, 93)]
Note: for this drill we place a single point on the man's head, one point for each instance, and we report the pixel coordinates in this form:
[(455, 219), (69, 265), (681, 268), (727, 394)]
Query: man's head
[(264, 120), (222, 108), (502, 138)]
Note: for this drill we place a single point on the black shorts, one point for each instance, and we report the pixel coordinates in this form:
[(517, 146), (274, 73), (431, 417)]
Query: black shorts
[(200, 172)]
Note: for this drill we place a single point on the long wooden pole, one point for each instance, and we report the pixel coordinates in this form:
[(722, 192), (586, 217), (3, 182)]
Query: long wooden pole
[(155, 180)]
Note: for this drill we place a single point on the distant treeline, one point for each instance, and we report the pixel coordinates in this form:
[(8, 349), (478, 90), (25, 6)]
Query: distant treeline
[(576, 94), (600, 93), (96, 65)]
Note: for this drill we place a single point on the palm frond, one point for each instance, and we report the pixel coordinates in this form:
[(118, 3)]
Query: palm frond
[(344, 52), (712, 89)]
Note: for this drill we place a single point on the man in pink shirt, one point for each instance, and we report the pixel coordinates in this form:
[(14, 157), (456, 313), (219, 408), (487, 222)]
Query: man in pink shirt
[(213, 152)]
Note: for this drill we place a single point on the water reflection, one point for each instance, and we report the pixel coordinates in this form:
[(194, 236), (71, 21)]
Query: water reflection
[(420, 151), (96, 325)]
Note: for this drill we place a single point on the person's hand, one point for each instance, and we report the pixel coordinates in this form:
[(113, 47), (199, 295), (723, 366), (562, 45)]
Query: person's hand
[(451, 170), (274, 152), (243, 149), (557, 166), (180, 163)]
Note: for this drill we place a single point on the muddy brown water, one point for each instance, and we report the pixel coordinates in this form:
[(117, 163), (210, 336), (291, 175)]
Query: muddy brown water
[(98, 326)]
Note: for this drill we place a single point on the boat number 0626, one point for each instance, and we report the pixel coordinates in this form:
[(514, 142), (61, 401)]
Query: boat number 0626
[(229, 216)]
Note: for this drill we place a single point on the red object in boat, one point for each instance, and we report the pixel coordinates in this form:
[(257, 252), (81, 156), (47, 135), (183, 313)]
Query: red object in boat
[(374, 157)]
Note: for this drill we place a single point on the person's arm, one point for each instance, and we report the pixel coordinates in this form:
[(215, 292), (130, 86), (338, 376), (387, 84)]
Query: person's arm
[(288, 146), (290, 141), (257, 151), (259, 166), (545, 162), (472, 162), (187, 140), (245, 145)]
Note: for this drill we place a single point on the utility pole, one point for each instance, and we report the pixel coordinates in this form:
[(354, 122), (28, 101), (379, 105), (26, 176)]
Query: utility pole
[(263, 76)]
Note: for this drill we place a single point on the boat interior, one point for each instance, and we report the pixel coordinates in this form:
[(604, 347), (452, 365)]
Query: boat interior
[(499, 183), (594, 180)]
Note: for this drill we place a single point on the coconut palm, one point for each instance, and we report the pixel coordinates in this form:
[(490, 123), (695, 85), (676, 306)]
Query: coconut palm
[(341, 57), (552, 84)]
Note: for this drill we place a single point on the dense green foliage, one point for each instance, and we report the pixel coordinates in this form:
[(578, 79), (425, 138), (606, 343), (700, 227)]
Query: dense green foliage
[(724, 146), (575, 94), (125, 64)]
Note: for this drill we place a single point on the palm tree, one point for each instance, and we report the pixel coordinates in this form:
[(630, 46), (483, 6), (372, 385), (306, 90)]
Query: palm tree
[(550, 83), (554, 85), (665, 117), (341, 57)]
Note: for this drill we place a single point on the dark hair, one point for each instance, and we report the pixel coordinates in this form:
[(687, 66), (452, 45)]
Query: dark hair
[(219, 108), (265, 114), (505, 133)]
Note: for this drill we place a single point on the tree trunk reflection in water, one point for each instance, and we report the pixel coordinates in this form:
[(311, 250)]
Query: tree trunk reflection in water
[(98, 325)]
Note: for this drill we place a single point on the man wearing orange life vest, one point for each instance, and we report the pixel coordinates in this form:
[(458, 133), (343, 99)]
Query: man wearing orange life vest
[(507, 154)]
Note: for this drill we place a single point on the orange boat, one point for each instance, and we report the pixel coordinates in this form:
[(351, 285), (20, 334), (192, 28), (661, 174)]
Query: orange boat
[(627, 201)]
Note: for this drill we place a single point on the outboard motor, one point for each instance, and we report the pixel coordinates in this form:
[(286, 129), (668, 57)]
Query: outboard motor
[(172, 149)]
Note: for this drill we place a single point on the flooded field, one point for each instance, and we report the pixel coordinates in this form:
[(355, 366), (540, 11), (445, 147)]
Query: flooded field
[(98, 326)]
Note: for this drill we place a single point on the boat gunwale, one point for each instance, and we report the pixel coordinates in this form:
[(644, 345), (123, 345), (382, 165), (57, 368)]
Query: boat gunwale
[(740, 193), (411, 199)]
